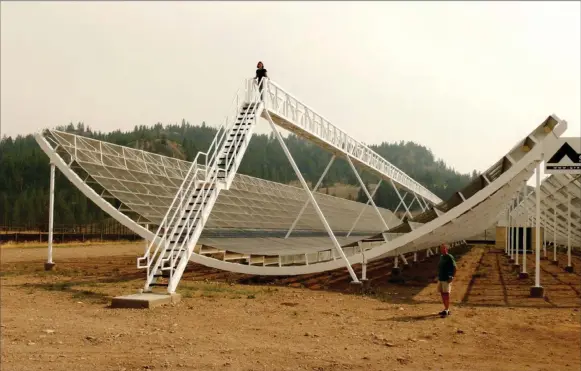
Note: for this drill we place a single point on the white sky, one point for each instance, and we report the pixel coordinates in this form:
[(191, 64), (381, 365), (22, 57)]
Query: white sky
[(468, 80)]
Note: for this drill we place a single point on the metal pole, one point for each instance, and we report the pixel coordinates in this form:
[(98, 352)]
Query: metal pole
[(307, 200), (312, 198), (538, 226), (524, 243), (568, 230), (554, 233), (50, 215), (506, 231), (546, 225), (365, 208), (369, 197), (146, 241), (517, 229), (510, 233)]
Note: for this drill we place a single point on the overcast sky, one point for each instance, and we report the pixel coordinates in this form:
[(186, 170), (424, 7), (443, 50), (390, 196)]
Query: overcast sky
[(465, 79)]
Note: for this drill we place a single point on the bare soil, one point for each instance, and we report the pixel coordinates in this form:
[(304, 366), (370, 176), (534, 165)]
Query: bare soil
[(60, 320)]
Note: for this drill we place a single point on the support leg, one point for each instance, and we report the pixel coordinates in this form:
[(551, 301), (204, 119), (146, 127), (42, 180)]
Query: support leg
[(312, 198), (569, 267), (516, 265), (307, 200), (537, 291), (396, 270), (523, 274), (49, 265), (555, 261)]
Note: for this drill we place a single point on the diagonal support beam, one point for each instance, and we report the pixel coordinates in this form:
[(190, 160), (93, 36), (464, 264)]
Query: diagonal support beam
[(312, 198), (364, 208), (369, 197), (401, 199), (307, 200), (419, 203)]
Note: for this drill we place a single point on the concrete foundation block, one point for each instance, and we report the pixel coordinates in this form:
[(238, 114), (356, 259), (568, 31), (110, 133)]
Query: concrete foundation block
[(537, 292), (395, 271), (569, 269), (523, 275), (406, 266), (146, 300), (49, 266), (516, 267)]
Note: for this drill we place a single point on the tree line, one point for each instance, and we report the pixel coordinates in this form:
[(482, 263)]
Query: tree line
[(24, 169)]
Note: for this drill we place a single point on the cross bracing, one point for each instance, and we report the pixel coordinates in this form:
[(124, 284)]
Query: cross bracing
[(560, 197)]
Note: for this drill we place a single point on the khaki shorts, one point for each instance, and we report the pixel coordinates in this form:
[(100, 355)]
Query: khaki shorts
[(444, 286)]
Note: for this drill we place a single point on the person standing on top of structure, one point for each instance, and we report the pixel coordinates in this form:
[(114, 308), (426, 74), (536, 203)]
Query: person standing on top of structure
[(260, 74), (446, 273)]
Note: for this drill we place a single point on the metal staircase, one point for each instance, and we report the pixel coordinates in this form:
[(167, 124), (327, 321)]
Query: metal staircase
[(168, 254)]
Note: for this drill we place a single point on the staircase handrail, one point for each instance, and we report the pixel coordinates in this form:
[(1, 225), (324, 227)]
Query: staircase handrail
[(222, 129), (251, 88)]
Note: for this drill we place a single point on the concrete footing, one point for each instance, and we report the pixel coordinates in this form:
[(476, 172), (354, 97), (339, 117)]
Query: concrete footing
[(516, 267), (406, 266), (555, 262), (360, 287), (395, 271), (537, 292), (569, 269), (511, 260), (49, 266), (523, 275), (144, 300)]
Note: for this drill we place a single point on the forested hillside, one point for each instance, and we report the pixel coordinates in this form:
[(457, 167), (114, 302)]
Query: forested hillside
[(24, 169)]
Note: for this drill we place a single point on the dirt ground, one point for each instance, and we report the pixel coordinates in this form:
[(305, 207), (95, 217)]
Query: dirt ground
[(60, 320)]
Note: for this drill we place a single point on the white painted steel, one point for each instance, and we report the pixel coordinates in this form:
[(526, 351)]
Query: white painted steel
[(292, 114), (447, 222), (312, 199), (538, 226), (308, 199), (363, 210), (50, 213), (369, 196)]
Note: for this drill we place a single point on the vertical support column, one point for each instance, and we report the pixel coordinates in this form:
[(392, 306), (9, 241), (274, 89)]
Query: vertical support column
[(313, 201), (524, 273), (537, 291), (396, 270), (516, 265), (146, 242), (555, 261), (511, 233), (415, 256), (506, 232), (546, 224), (49, 262), (569, 267)]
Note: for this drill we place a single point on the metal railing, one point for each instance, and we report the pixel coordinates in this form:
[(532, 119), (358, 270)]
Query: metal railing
[(204, 187), (285, 105)]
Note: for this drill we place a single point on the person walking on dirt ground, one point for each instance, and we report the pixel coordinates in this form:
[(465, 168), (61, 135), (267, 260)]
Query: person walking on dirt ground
[(446, 273), (260, 74)]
